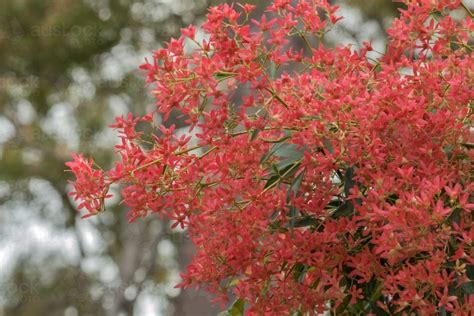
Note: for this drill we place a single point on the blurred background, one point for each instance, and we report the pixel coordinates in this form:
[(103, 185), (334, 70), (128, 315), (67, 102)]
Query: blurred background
[(67, 68)]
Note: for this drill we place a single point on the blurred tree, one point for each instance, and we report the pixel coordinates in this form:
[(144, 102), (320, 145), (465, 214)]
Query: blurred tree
[(66, 68)]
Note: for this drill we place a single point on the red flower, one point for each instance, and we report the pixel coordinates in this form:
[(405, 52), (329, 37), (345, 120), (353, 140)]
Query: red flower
[(90, 185), (318, 178)]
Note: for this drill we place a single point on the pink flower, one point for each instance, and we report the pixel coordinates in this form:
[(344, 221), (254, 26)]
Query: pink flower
[(317, 177)]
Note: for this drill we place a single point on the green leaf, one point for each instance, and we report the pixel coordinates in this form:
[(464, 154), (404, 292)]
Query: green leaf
[(283, 164), (375, 309), (273, 69), (392, 199), (237, 309), (334, 204), (377, 67), (373, 292), (304, 221), (234, 282), (275, 215), (468, 145), (273, 181), (312, 118), (470, 271), (265, 289), (343, 306), (328, 145), (288, 169), (455, 216), (221, 75), (348, 181), (275, 170), (442, 311), (254, 134), (468, 287), (278, 140), (448, 150), (270, 153), (293, 215), (290, 151), (299, 272), (295, 185), (346, 209)]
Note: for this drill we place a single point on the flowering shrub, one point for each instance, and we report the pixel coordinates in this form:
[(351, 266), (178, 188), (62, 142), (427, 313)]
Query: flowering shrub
[(321, 179)]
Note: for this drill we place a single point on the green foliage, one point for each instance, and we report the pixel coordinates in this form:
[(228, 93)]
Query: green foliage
[(237, 309)]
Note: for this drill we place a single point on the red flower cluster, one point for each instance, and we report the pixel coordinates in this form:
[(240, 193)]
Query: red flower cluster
[(322, 179), (90, 185)]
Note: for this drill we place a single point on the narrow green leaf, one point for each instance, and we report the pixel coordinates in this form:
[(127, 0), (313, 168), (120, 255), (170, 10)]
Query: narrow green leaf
[(346, 209), (304, 221), (448, 150), (295, 185), (312, 118), (293, 215), (273, 69), (334, 204), (289, 151), (275, 215), (237, 308), (348, 181), (343, 306), (299, 272), (468, 287), (276, 227), (273, 181), (254, 134), (455, 216), (270, 153), (468, 145), (275, 170), (442, 311), (290, 170), (328, 145), (278, 140), (224, 75), (470, 271)]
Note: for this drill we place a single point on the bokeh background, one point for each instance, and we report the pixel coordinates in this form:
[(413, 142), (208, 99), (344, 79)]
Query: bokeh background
[(67, 68)]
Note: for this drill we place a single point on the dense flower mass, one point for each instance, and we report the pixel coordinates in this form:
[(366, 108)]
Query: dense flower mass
[(321, 179)]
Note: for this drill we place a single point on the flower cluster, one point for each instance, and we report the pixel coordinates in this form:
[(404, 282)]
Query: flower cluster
[(90, 185), (322, 179)]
